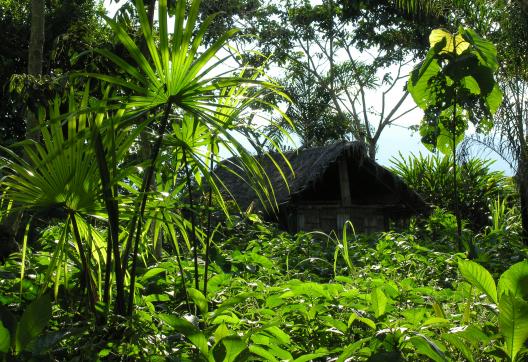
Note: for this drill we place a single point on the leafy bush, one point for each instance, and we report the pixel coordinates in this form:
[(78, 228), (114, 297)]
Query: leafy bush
[(276, 296), (432, 178)]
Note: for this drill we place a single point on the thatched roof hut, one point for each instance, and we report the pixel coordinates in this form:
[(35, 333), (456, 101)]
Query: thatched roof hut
[(325, 187)]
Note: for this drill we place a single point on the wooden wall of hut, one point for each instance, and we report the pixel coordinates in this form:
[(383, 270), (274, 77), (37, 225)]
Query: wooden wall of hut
[(332, 217)]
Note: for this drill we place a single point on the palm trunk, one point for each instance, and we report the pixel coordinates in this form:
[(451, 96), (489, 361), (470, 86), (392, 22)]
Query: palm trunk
[(193, 221), (149, 173), (86, 277), (110, 199)]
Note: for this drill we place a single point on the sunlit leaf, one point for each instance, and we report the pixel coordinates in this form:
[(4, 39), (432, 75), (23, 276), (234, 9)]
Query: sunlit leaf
[(513, 323), (379, 302), (189, 330), (234, 345), (479, 277), (514, 281), (428, 348), (199, 299), (453, 43)]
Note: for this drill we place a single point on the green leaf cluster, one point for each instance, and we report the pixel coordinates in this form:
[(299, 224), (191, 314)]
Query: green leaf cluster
[(454, 85), (511, 297)]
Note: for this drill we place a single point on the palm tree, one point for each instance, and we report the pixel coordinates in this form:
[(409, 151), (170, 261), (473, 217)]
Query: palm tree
[(59, 178), (88, 172), (178, 80)]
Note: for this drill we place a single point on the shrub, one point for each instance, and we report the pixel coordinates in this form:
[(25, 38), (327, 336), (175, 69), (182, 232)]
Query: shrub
[(432, 178)]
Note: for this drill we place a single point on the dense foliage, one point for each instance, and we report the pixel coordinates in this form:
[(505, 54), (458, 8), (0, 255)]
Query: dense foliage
[(273, 296), (119, 244), (431, 176), (71, 27)]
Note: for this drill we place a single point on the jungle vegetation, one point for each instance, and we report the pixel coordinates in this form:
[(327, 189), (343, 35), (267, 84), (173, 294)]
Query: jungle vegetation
[(118, 244)]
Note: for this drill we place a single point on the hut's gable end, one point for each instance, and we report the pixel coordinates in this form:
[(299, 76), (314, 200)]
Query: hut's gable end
[(330, 185), (346, 183)]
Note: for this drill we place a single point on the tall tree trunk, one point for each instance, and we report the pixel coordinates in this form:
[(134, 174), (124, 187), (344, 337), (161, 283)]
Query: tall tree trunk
[(35, 58), (150, 11), (522, 183)]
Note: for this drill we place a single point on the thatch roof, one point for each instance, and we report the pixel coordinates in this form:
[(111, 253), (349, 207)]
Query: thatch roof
[(309, 166)]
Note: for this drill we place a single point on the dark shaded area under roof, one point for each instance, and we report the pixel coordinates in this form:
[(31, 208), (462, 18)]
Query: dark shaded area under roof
[(311, 169)]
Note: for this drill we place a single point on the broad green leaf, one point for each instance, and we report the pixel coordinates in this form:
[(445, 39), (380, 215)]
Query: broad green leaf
[(352, 349), (479, 277), (281, 353), (484, 48), (234, 345), (442, 132), (474, 335), (279, 334), (156, 298), (221, 332), (437, 35), (218, 281), (439, 311), (470, 84), (335, 323), (428, 348), (364, 320), (189, 330), (494, 99), (379, 302), (262, 339), (199, 299), (226, 318), (33, 321), (418, 84), (435, 321), (5, 338), (151, 273), (259, 351), (513, 323), (514, 281)]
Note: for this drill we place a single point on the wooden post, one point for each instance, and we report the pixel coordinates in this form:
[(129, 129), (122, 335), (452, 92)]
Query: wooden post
[(344, 182)]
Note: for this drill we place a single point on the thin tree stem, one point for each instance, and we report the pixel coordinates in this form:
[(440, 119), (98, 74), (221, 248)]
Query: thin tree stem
[(455, 183), (113, 222), (208, 236), (180, 267), (92, 299), (144, 195), (193, 221)]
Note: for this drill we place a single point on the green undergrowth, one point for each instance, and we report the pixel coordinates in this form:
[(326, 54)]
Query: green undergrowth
[(277, 297)]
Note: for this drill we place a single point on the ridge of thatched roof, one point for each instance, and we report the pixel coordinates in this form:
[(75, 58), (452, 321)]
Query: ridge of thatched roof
[(308, 166)]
